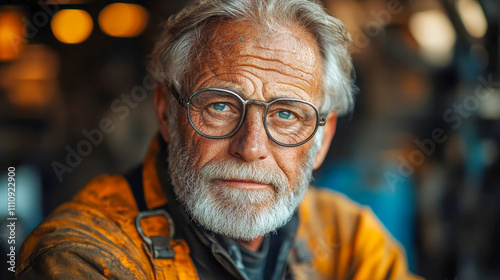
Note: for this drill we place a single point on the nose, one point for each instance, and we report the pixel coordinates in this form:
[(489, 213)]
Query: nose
[(250, 143)]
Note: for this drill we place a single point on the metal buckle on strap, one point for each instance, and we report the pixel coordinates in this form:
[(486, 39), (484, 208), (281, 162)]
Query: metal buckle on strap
[(159, 246)]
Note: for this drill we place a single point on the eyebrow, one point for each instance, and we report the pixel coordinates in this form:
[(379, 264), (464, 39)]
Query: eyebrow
[(242, 95)]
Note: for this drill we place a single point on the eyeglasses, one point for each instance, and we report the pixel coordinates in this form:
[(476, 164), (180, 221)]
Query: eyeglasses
[(219, 113)]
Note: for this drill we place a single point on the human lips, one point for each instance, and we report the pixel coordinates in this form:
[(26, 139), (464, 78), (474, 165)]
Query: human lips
[(243, 184)]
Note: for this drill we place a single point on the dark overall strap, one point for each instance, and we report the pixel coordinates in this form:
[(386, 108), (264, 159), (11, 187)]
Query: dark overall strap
[(159, 246), (134, 178)]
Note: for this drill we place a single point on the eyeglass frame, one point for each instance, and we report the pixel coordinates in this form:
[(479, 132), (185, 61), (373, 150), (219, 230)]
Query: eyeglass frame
[(320, 121)]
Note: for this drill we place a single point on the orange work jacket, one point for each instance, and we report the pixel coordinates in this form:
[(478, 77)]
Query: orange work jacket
[(95, 236)]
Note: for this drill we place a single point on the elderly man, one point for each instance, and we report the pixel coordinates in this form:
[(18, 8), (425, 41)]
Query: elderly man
[(248, 105)]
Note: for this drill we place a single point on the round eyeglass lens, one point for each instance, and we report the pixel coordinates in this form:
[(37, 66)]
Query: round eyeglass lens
[(215, 113), (291, 122)]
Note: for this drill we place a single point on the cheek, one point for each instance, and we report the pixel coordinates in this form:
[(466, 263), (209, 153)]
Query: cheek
[(290, 160), (205, 149)]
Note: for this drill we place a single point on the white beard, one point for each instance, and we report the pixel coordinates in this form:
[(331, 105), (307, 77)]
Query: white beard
[(236, 213)]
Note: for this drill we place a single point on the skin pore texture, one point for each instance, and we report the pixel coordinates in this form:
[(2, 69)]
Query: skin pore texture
[(246, 186)]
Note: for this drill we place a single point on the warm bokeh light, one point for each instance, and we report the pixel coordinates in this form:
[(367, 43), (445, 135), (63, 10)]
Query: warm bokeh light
[(123, 20), (71, 26), (30, 82), (473, 17), (435, 35), (12, 34)]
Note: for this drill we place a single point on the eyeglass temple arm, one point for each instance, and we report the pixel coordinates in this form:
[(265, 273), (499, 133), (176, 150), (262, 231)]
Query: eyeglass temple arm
[(178, 96), (322, 121)]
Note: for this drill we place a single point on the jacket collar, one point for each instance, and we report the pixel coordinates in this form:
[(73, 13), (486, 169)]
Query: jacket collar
[(153, 192)]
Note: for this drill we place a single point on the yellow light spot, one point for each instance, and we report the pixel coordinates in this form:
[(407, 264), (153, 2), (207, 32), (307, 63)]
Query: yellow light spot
[(31, 81), (473, 17), (12, 34), (71, 26), (435, 35), (123, 20)]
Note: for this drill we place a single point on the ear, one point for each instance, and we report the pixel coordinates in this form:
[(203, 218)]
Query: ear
[(161, 102), (329, 132)]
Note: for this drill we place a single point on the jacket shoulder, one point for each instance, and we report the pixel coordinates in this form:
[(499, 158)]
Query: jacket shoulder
[(332, 200), (93, 234), (331, 211), (347, 240), (111, 194)]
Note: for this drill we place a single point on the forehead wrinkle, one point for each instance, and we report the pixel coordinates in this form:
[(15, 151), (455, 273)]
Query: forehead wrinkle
[(276, 93), (234, 80), (294, 53), (292, 71), (236, 86), (271, 61), (228, 51), (306, 96), (274, 49), (271, 70), (214, 73), (249, 58)]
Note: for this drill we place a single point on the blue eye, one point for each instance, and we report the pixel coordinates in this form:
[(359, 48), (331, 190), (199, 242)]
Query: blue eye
[(285, 114), (219, 106)]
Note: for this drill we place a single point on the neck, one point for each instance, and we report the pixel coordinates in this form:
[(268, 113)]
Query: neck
[(253, 244)]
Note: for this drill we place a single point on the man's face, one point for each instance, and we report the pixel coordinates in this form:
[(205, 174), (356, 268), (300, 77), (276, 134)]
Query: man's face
[(247, 179)]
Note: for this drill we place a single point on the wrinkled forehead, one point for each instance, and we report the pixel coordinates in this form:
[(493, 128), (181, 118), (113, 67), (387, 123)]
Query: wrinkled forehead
[(226, 43), (227, 36)]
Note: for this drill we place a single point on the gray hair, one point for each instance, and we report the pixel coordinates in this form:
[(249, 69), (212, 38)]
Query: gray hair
[(173, 52)]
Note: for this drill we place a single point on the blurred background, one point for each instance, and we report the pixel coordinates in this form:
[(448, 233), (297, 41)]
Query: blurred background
[(421, 148)]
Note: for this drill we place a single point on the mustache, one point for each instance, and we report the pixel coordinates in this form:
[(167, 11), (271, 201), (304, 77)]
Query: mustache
[(234, 170)]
